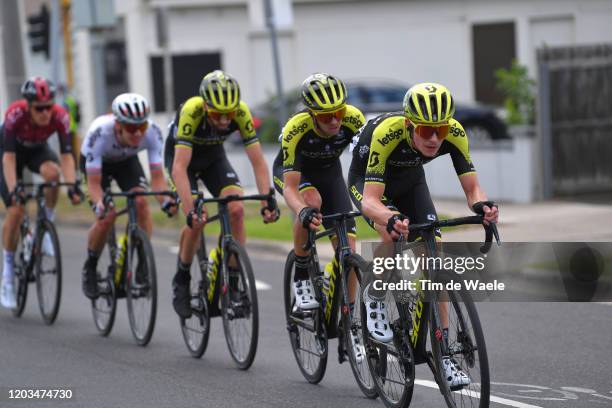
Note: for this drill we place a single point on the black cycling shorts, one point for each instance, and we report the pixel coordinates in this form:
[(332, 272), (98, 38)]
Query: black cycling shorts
[(328, 181), (407, 194), (216, 175), (128, 174), (30, 157)]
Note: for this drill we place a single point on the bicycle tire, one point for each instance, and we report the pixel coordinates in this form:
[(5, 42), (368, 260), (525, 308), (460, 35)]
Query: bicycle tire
[(49, 314), (459, 338), (315, 373), (352, 324), (141, 285), (104, 307), (245, 309), (20, 267), (196, 329), (384, 362)]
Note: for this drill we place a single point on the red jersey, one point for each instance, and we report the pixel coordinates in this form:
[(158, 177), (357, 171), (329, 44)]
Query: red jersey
[(19, 129)]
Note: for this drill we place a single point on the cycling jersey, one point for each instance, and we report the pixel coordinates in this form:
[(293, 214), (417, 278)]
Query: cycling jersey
[(19, 129), (303, 147), (384, 148), (193, 130), (101, 145)]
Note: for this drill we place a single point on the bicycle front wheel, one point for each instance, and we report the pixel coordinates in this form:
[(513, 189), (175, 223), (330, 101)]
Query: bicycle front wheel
[(104, 307), (466, 348), (141, 288), (21, 279), (239, 307), (307, 333), (354, 333), (48, 271)]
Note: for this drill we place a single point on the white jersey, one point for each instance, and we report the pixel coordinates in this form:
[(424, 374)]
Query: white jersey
[(101, 145)]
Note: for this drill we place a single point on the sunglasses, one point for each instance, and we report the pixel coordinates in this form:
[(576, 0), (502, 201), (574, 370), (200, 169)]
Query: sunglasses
[(42, 108), (426, 131), (134, 127), (327, 117), (217, 115)]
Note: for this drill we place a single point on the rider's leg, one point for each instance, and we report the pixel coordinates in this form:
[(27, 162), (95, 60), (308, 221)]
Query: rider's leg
[(50, 171), (143, 213)]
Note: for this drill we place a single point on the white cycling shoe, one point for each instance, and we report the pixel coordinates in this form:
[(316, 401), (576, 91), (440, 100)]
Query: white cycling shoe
[(47, 246), (378, 319), (7, 295), (455, 377), (304, 295)]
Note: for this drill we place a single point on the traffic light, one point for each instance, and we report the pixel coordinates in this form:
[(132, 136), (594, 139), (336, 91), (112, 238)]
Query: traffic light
[(39, 31)]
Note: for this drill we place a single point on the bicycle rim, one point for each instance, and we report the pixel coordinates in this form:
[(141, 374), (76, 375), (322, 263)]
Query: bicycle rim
[(240, 314), (467, 349), (141, 288), (352, 327), (21, 280), (392, 364), (196, 329), (104, 307), (48, 272)]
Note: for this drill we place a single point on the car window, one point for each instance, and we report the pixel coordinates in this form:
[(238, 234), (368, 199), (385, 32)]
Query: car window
[(385, 95)]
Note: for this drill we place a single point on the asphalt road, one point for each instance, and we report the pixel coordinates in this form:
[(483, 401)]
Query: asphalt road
[(540, 354)]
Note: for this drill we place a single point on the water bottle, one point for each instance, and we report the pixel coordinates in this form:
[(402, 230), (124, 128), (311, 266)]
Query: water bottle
[(120, 261), (28, 242), (214, 259)]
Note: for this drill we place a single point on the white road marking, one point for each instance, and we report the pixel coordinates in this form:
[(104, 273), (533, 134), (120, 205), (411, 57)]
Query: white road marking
[(498, 400), (173, 249)]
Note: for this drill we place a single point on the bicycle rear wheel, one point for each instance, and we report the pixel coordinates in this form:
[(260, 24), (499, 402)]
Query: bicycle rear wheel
[(353, 330), (196, 329), (141, 288), (239, 308), (104, 307), (466, 348), (48, 271), (307, 333), (391, 364), (21, 279)]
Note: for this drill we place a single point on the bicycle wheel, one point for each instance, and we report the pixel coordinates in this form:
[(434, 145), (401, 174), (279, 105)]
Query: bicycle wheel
[(239, 308), (353, 331), (466, 348), (196, 329), (141, 288), (48, 271), (307, 333), (391, 364), (21, 279), (104, 307)]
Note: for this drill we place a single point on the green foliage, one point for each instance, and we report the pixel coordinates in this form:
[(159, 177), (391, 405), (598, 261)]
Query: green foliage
[(519, 91)]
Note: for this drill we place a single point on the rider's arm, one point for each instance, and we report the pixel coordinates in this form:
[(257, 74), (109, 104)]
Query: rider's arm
[(155, 143), (182, 158), (158, 183), (94, 187), (372, 206), (471, 188), (291, 191), (9, 167), (260, 168), (67, 164)]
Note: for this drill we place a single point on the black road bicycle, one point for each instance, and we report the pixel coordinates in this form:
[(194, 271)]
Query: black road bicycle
[(224, 286), (413, 317), (310, 330), (130, 273), (35, 261)]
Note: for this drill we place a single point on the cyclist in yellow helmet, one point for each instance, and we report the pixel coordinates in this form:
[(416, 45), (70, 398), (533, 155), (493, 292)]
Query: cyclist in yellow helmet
[(194, 150), (387, 182)]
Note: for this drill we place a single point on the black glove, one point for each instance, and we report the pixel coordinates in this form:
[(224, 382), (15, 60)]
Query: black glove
[(167, 205), (190, 218), (391, 222), (271, 206), (17, 195), (306, 215), (75, 190), (479, 206)]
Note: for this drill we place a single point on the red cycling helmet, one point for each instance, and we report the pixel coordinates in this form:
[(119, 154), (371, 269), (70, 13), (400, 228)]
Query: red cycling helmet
[(38, 89)]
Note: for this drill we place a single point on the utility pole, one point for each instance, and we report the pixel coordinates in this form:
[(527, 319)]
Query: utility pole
[(271, 24)]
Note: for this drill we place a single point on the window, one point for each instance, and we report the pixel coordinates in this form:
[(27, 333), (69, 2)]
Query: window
[(494, 47)]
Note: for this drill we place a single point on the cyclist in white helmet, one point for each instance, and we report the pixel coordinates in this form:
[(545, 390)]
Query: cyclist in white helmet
[(110, 151)]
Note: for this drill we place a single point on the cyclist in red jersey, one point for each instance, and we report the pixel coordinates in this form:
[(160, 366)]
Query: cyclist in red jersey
[(28, 123)]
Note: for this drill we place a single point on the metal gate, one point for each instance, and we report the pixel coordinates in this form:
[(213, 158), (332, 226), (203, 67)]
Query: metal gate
[(575, 118)]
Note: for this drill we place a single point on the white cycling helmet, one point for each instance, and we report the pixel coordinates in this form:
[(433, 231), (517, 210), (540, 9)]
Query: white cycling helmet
[(131, 108)]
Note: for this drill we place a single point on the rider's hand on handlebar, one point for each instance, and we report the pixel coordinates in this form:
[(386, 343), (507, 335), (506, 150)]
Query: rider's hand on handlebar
[(169, 206), (17, 196), (310, 218), (488, 209), (193, 221), (397, 225), (75, 194)]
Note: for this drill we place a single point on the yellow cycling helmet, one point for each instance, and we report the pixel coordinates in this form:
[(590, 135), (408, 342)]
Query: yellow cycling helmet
[(220, 91), (429, 103), (323, 92)]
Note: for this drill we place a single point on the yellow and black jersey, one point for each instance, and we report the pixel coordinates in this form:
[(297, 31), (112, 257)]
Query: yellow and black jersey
[(193, 130), (384, 148), (303, 147)]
